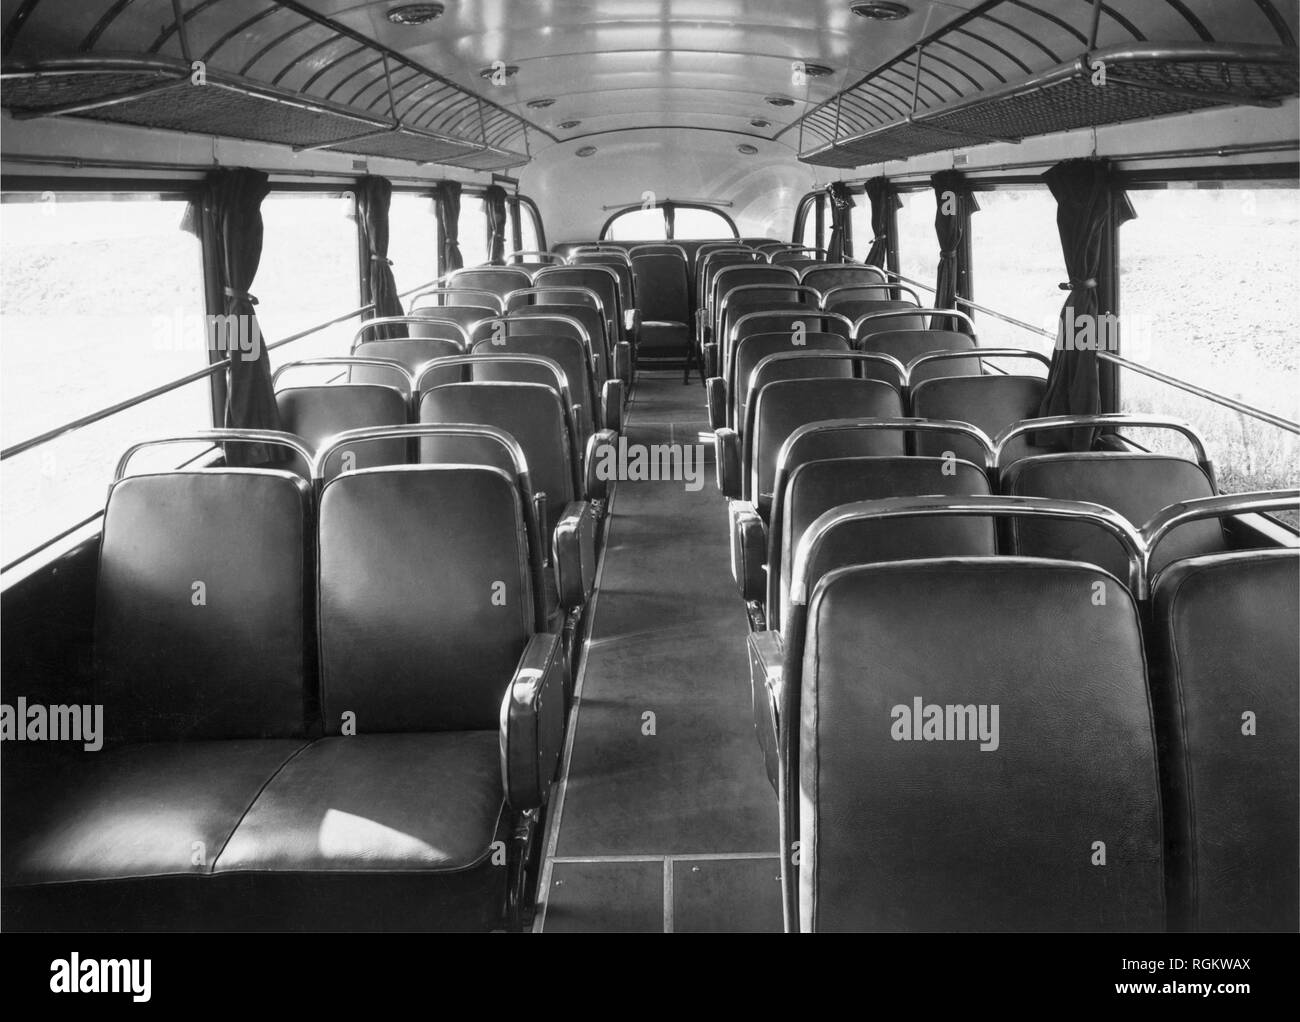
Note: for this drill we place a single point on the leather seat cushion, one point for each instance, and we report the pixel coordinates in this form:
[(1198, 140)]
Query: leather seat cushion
[(660, 337), (404, 802), (136, 811)]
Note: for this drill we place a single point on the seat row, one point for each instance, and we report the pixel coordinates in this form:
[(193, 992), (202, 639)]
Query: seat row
[(332, 711), (971, 741), (995, 687)]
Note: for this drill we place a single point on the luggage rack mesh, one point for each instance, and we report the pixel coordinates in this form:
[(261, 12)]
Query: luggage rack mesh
[(157, 93), (1138, 85)]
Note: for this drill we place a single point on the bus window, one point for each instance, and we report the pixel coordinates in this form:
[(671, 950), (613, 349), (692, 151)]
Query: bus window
[(690, 223), (637, 225), (918, 248), (528, 234), (473, 230), (309, 271), (102, 299), (413, 241), (1016, 265), (1207, 286)]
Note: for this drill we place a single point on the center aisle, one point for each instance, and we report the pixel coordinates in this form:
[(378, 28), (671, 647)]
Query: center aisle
[(664, 819)]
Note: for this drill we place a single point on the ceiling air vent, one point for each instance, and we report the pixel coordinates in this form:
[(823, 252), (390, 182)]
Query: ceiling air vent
[(540, 104), (813, 70), (880, 10), (587, 150), (415, 14), (745, 149), (779, 101), (569, 125), (760, 122), (498, 69)]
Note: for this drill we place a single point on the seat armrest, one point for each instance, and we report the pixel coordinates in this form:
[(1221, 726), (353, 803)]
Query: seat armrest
[(611, 405), (767, 681), (574, 554), (710, 349), (715, 392), (532, 723), (748, 551), (726, 445), (602, 449), (623, 363)]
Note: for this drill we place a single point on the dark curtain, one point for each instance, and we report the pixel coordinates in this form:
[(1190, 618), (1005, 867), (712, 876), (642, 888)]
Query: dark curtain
[(374, 195), (841, 246), (494, 201), (882, 202), (448, 197), (1083, 190), (234, 198), (953, 201)]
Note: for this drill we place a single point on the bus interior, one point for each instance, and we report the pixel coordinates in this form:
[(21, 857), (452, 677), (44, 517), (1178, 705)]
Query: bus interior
[(650, 466)]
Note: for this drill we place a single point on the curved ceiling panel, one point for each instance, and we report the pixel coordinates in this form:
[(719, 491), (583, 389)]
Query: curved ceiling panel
[(602, 66)]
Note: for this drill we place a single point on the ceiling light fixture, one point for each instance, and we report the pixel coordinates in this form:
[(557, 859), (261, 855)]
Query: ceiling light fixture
[(415, 14), (745, 149), (568, 125), (880, 10), (779, 101), (815, 70), (540, 104), (587, 150), (509, 70), (760, 122)]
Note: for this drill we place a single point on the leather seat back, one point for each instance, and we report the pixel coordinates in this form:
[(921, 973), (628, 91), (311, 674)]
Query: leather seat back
[(411, 352), (857, 306), (789, 369), (316, 413), (1135, 485), (1225, 695), (823, 278), (618, 266), (814, 487), (782, 407), (662, 288), (751, 349), (924, 811), (716, 261), (990, 402), (594, 278), (906, 345), (425, 633), (464, 315), (529, 412), (745, 273), (500, 280), (569, 353), (586, 315), (202, 606)]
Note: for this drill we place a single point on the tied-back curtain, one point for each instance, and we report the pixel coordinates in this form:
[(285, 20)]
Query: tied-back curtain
[(1084, 192), (494, 202), (374, 196), (448, 197), (882, 202), (234, 197), (841, 246), (953, 201)]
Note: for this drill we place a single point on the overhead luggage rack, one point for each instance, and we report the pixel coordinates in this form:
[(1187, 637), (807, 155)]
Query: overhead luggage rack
[(317, 85), (1107, 86), (160, 93)]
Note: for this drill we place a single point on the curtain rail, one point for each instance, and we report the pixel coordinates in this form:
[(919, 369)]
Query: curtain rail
[(194, 377), (1137, 367)]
